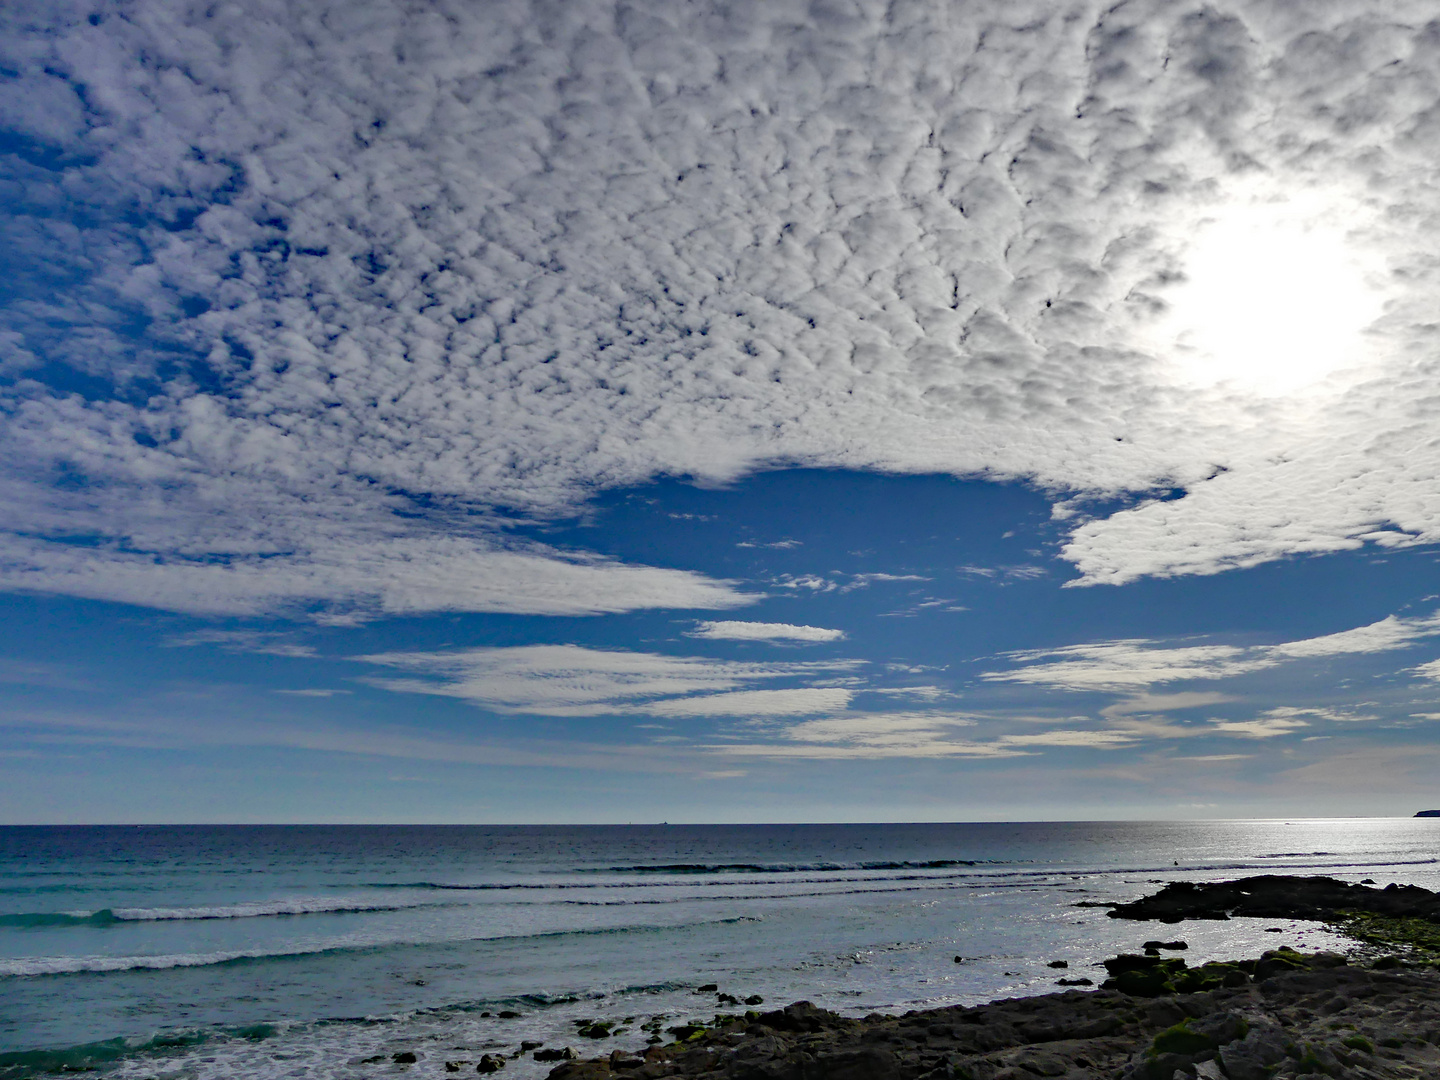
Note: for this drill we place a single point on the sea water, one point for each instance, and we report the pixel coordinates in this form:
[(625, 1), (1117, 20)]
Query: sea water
[(324, 951)]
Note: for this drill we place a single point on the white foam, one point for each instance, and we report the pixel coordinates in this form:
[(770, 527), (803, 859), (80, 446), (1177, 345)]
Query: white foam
[(252, 909), (74, 965)]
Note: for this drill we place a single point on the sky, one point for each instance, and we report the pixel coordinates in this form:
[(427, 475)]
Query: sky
[(682, 411)]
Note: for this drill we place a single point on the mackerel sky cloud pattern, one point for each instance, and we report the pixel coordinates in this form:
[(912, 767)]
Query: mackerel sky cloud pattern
[(495, 257)]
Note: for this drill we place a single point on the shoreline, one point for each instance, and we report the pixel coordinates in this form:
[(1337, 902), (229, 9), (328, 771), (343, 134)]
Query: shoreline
[(1312, 1015), (1284, 1014)]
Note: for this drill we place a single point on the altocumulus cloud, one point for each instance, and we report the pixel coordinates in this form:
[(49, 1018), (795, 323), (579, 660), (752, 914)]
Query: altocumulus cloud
[(303, 293)]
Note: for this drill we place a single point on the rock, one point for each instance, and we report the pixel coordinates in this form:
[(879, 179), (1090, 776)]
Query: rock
[(594, 1031), (1176, 946), (1058, 964), (456, 1066), (530, 1044), (1312, 1015), (580, 1070), (1075, 982), (801, 1016), (508, 1014), (1275, 896), (708, 988), (865, 1064), (556, 1055), (754, 999), (405, 1057), (490, 1063)]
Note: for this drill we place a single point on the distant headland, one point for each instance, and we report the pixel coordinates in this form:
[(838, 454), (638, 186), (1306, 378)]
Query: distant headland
[(1427, 813)]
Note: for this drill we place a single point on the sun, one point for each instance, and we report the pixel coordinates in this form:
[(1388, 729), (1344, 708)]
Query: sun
[(1276, 296)]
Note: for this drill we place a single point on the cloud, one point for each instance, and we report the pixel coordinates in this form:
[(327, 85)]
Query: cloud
[(335, 296), (354, 579), (250, 641), (567, 680), (873, 736), (1264, 727), (754, 703), (1130, 665), (758, 631), (315, 693)]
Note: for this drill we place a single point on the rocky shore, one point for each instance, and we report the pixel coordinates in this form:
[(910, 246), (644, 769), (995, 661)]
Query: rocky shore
[(1281, 1015)]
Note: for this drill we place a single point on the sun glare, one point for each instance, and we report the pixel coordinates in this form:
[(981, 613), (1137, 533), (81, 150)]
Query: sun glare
[(1275, 298)]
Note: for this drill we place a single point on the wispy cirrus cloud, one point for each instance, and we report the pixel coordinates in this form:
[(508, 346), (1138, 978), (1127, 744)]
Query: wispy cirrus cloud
[(568, 680), (730, 630), (1132, 665)]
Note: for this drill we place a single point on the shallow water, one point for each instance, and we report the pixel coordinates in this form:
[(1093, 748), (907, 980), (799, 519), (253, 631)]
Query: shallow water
[(264, 951)]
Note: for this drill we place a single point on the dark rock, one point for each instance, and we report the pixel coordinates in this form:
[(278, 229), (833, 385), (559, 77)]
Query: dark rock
[(754, 999), (1274, 896), (508, 1014), (1174, 946), (405, 1057), (707, 988), (580, 1070), (1075, 982), (869, 1063), (556, 1055), (490, 1063), (455, 1066), (801, 1016), (530, 1044), (1058, 964)]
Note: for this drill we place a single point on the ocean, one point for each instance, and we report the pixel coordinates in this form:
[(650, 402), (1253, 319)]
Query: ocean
[(264, 952)]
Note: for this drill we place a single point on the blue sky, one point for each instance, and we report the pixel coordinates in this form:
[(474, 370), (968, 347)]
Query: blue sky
[(659, 411)]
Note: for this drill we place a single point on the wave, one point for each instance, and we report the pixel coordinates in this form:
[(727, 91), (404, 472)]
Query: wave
[(971, 874), (247, 910), (778, 868), (34, 966), (88, 1057)]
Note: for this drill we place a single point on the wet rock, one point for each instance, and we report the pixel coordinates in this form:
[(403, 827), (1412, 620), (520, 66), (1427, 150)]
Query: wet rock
[(1058, 964), (754, 999), (490, 1063), (527, 1045), (1276, 896), (404, 1057), (565, 1054), (456, 1066), (508, 1014)]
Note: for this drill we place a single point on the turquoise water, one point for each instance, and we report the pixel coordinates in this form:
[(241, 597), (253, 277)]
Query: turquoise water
[(264, 951)]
